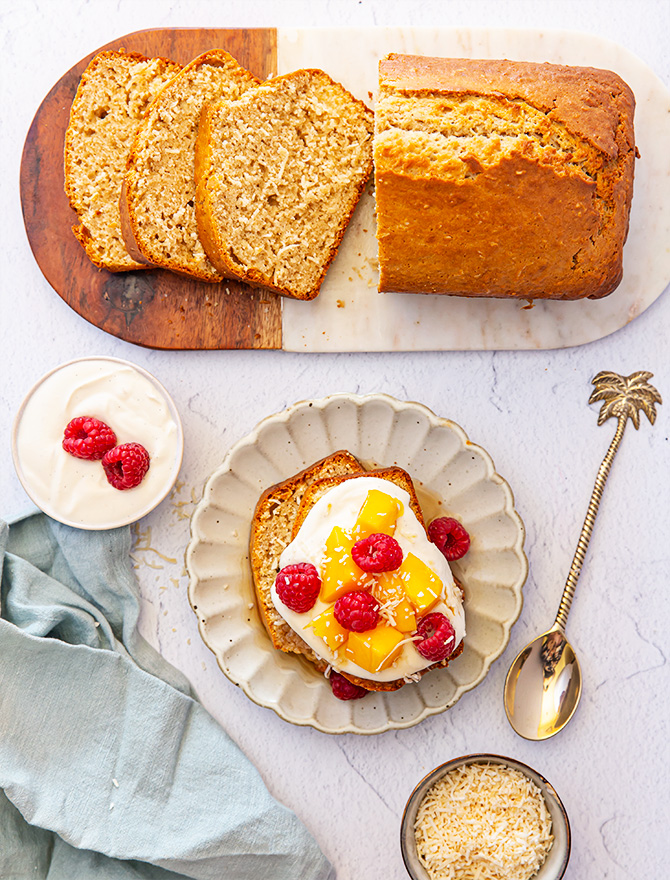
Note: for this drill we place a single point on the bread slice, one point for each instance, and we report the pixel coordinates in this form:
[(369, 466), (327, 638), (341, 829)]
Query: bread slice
[(279, 514), (279, 173), (158, 203), (271, 532), (113, 94)]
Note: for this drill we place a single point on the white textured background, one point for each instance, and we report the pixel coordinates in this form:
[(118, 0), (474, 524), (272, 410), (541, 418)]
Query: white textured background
[(529, 410)]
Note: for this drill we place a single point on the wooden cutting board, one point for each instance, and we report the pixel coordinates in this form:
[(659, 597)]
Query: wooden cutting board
[(152, 308), (161, 310)]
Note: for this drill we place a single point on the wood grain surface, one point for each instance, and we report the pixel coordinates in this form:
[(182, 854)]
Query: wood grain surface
[(153, 308)]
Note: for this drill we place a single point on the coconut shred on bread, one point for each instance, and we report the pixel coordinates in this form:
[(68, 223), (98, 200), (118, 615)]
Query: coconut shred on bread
[(158, 202), (282, 518), (279, 172), (272, 531), (502, 178), (113, 94)]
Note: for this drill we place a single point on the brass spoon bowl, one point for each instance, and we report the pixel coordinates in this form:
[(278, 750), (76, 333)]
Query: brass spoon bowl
[(543, 686), (544, 683)]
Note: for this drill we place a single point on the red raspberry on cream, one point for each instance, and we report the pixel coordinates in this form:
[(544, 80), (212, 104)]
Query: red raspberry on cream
[(298, 586)]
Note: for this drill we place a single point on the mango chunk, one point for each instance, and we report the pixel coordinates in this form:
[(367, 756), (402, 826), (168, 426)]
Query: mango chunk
[(378, 515), (388, 590), (420, 583), (375, 649), (339, 572), (326, 627)]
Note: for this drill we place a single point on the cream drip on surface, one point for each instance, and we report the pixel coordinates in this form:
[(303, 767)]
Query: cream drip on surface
[(340, 506), (134, 408)]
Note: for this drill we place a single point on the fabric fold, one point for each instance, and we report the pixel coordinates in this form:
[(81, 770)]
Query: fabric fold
[(109, 766)]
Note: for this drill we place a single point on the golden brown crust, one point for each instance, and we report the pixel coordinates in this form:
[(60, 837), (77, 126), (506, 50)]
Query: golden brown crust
[(579, 97), (208, 232), (127, 231), (537, 207)]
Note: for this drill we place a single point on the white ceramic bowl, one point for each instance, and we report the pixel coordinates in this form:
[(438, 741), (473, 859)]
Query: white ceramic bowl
[(555, 864), (452, 476), (133, 403)]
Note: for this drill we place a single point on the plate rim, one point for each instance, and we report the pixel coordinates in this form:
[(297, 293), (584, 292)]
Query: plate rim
[(249, 439)]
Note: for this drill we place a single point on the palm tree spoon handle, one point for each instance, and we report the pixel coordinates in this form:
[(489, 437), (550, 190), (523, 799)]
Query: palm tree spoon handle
[(624, 397), (544, 683)]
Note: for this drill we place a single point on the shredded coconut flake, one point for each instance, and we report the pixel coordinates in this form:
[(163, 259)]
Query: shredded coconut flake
[(483, 821)]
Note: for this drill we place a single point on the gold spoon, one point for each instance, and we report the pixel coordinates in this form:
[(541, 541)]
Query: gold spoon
[(544, 684)]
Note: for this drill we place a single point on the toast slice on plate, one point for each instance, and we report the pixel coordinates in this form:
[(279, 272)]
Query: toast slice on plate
[(272, 531), (279, 514)]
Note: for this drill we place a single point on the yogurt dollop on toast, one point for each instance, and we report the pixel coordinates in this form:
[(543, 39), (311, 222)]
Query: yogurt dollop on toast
[(348, 512)]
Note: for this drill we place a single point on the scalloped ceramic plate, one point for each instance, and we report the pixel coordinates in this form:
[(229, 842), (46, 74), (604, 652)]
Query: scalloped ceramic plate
[(451, 475)]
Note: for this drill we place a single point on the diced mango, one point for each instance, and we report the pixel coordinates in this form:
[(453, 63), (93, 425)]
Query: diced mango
[(339, 572), (422, 586), (378, 515), (388, 590), (326, 627), (375, 649)]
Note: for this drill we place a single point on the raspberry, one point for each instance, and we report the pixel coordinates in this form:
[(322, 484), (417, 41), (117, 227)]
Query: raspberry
[(450, 537), (357, 611), (377, 553), (88, 438), (298, 586), (344, 689), (436, 636), (126, 465)]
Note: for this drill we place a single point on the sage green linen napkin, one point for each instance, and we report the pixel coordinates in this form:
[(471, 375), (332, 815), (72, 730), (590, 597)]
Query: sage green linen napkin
[(109, 767)]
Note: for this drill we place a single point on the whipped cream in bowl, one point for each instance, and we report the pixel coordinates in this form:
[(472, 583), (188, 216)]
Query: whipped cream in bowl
[(133, 404)]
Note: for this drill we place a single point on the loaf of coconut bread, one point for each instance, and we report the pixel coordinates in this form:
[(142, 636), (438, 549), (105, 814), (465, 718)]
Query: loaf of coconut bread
[(492, 178), (502, 178)]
